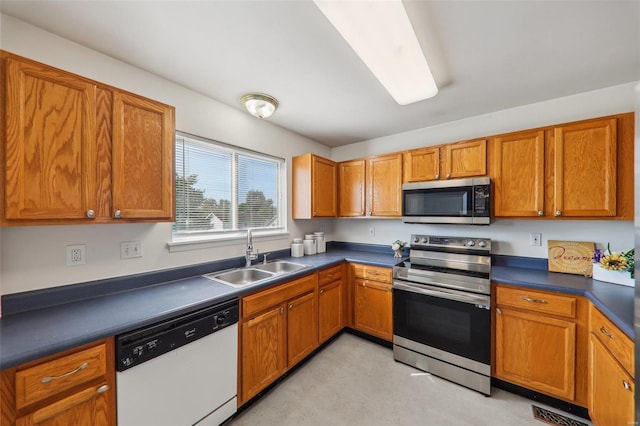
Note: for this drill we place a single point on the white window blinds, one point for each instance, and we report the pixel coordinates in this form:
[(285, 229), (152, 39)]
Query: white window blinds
[(222, 189)]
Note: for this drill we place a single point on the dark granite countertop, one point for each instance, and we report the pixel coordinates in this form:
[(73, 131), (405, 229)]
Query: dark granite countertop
[(30, 334)]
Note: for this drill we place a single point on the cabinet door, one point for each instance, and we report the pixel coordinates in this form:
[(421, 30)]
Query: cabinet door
[(465, 159), (263, 351), (536, 351), (517, 168), (372, 308), (611, 398), (50, 145), (86, 407), (351, 176), (302, 327), (421, 164), (585, 169), (143, 150), (323, 185), (330, 309), (384, 185)]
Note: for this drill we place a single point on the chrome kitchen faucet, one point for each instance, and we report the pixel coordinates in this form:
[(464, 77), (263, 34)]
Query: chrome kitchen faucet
[(249, 254)]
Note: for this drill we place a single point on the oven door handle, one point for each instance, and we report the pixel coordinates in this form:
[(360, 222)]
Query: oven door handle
[(445, 294)]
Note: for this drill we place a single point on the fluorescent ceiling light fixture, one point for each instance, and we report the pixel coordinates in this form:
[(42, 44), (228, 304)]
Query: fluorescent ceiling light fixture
[(381, 34)]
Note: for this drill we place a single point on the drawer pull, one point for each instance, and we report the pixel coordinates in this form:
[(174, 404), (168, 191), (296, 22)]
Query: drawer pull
[(531, 300), (604, 331), (321, 291), (329, 275), (102, 389), (51, 378), (626, 385)]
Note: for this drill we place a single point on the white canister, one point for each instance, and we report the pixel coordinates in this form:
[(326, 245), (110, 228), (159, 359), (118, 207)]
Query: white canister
[(297, 248), (309, 246), (321, 244)]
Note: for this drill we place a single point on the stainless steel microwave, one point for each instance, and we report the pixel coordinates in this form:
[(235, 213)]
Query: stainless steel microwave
[(458, 201)]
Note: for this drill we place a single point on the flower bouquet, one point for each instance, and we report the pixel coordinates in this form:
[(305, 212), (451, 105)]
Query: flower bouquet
[(398, 247), (615, 267)]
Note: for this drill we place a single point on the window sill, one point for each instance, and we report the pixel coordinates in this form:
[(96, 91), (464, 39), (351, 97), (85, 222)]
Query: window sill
[(204, 242)]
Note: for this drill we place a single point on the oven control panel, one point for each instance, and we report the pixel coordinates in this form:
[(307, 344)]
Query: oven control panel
[(460, 243)]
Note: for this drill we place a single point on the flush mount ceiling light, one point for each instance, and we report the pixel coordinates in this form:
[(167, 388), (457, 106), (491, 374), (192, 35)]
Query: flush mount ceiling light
[(259, 104), (381, 34)]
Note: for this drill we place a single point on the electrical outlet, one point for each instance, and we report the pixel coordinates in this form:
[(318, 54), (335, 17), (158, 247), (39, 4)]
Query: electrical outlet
[(536, 239), (129, 249), (372, 231), (76, 255)]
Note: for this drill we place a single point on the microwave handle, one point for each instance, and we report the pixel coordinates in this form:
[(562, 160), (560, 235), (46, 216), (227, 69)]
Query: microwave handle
[(431, 291)]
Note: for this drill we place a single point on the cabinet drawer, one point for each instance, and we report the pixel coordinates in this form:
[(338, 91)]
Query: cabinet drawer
[(369, 272), (329, 275), (266, 299), (44, 380), (537, 301), (620, 346)]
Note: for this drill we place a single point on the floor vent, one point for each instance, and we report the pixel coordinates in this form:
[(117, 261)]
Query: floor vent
[(554, 418)]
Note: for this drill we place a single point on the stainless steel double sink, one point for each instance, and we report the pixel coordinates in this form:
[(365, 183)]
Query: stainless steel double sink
[(241, 277)]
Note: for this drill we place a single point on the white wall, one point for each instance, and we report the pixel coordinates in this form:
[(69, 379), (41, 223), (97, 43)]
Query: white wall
[(34, 257), (511, 237)]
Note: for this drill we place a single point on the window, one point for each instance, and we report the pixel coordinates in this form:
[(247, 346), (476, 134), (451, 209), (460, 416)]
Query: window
[(221, 189)]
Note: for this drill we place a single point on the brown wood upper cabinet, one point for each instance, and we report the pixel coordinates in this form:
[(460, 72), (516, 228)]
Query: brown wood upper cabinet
[(371, 186), (314, 187), (456, 160), (80, 151), (574, 170)]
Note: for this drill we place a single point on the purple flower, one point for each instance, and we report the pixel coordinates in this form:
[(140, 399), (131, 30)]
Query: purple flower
[(597, 255)]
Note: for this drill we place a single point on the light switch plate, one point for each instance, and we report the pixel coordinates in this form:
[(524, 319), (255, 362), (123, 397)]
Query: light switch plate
[(130, 249)]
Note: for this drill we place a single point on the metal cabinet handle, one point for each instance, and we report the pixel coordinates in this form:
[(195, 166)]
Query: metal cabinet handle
[(558, 213), (499, 311), (604, 331), (321, 291), (626, 385), (52, 378), (362, 213), (530, 300), (540, 213), (448, 175), (91, 214), (281, 311), (369, 212), (315, 213), (291, 306), (437, 176), (103, 389), (117, 214)]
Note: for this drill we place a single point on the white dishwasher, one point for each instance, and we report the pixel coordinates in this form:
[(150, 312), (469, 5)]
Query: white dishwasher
[(180, 372)]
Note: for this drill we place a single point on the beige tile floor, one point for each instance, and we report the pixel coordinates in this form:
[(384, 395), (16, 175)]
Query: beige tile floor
[(356, 382)]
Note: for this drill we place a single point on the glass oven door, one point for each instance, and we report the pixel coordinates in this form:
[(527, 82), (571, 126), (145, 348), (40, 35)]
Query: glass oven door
[(452, 321)]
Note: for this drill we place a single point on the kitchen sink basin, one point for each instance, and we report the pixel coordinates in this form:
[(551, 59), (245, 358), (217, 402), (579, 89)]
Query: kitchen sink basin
[(245, 276), (280, 267), (240, 277)]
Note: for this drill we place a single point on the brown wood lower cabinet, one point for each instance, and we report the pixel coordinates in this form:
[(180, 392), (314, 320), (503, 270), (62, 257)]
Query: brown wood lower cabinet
[(279, 327), (611, 373), (331, 302), (541, 341), (373, 300), (75, 387), (611, 388)]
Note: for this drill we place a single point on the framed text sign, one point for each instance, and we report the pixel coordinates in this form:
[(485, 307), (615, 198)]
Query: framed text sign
[(570, 257)]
